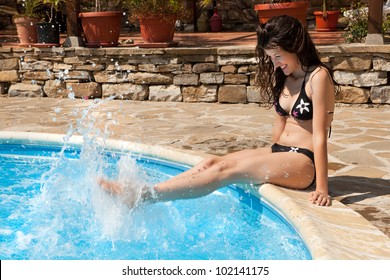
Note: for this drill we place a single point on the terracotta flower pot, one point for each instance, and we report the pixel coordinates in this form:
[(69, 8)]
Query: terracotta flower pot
[(101, 29), (329, 23), (157, 30), (294, 9), (26, 30)]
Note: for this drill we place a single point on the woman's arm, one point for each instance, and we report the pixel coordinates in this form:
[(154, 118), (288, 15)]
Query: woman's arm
[(323, 104)]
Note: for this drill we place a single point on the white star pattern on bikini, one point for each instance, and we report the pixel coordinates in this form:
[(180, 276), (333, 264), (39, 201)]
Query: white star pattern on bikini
[(303, 106), (293, 149)]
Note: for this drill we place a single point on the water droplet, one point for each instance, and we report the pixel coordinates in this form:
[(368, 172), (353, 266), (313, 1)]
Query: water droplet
[(71, 95)]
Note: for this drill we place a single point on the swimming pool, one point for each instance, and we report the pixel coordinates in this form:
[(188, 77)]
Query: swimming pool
[(52, 208)]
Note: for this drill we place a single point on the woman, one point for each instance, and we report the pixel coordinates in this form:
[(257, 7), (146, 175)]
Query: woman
[(302, 91)]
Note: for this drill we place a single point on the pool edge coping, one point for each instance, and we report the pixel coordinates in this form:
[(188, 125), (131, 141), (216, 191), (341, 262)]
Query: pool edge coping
[(349, 237)]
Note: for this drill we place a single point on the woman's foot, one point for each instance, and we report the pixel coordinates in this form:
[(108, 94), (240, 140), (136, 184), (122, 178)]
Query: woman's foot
[(113, 187), (129, 194)]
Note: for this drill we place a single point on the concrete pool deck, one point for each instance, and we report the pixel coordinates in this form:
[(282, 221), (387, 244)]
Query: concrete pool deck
[(359, 159)]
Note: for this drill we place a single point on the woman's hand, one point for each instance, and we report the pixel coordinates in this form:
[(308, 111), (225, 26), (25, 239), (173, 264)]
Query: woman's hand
[(319, 198)]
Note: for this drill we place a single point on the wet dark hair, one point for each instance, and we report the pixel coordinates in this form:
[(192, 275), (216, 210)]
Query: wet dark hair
[(289, 34)]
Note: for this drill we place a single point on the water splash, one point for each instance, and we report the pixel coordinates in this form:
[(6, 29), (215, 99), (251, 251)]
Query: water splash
[(71, 205), (71, 94)]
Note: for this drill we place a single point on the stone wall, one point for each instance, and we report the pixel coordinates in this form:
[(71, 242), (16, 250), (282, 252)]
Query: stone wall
[(225, 74)]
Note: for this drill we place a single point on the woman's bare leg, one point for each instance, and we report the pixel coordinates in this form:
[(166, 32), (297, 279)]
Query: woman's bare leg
[(248, 166), (291, 170), (116, 188), (206, 163)]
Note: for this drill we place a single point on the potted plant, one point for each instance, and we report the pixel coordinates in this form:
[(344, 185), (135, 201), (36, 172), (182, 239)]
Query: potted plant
[(326, 20), (273, 8), (25, 22), (157, 20), (48, 32), (102, 27)]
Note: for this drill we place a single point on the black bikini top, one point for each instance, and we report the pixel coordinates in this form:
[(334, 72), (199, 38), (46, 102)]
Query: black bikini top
[(303, 107)]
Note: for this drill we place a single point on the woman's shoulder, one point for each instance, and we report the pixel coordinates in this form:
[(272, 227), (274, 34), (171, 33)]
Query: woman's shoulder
[(319, 71), (320, 74)]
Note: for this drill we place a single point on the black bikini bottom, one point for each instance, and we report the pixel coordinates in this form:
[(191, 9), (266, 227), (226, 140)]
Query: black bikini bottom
[(276, 148)]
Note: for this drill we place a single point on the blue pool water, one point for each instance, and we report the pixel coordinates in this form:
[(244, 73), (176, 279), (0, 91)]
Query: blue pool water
[(52, 208)]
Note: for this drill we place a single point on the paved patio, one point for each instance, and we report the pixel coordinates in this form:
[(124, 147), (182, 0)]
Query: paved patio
[(359, 146)]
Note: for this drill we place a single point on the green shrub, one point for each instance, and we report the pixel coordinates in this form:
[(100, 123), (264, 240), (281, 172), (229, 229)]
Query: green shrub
[(160, 8), (358, 22)]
